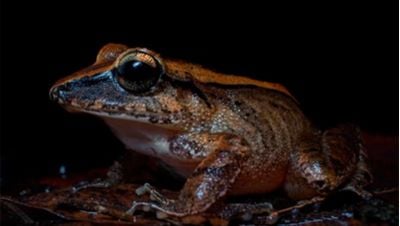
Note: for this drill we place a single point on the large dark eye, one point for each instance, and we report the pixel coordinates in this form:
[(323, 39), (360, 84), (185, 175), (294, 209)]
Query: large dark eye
[(138, 71)]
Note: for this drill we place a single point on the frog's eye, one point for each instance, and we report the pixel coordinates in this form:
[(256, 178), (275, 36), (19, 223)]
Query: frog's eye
[(138, 71)]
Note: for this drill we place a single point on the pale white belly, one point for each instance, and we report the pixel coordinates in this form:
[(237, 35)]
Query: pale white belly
[(151, 140), (142, 137)]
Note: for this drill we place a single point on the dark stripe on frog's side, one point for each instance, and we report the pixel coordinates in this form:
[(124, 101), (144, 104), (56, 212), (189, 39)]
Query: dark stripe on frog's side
[(270, 121), (279, 113), (278, 118), (272, 129), (249, 115), (288, 110), (280, 128)]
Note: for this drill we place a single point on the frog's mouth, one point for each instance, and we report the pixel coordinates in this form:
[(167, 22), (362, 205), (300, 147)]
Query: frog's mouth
[(110, 110), (145, 117), (135, 117)]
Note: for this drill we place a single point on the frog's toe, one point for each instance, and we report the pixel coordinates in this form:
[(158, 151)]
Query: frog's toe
[(162, 211), (144, 206), (133, 208), (154, 195), (146, 188)]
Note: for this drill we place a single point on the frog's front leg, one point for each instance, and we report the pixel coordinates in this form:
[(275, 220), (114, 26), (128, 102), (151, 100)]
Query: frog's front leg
[(220, 156), (327, 161)]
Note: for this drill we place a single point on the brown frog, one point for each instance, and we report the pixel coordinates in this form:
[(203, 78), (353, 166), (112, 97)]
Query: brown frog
[(227, 135)]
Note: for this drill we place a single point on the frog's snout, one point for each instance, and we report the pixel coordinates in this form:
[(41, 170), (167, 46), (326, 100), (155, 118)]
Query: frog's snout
[(59, 93), (56, 93)]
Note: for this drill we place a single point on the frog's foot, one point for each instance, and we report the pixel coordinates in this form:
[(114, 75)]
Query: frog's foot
[(113, 178), (163, 206), (162, 210)]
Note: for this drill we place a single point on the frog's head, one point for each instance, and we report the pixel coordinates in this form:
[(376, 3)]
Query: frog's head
[(138, 85), (127, 83)]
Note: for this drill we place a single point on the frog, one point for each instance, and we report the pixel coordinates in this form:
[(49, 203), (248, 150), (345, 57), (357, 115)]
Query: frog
[(226, 135)]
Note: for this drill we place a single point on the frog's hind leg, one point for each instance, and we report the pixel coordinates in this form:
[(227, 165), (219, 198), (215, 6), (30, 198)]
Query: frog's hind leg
[(328, 161), (361, 177), (345, 148), (210, 180)]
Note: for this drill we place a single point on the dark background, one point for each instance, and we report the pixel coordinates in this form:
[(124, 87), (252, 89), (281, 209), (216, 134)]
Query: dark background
[(340, 60)]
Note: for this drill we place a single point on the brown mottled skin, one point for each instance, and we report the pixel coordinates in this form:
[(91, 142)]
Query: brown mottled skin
[(228, 135)]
